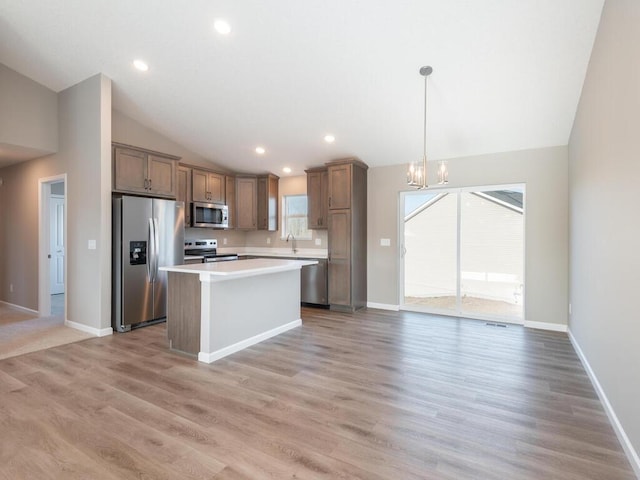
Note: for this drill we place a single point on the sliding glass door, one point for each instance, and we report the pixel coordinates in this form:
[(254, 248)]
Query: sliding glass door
[(430, 251), (463, 252)]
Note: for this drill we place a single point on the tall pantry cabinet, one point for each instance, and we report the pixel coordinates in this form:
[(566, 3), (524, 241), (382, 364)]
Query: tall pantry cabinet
[(347, 226)]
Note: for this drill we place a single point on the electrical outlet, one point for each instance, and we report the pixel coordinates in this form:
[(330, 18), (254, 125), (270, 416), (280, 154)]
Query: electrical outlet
[(268, 240), (91, 244), (385, 242), (224, 241), (11, 288), (318, 242)]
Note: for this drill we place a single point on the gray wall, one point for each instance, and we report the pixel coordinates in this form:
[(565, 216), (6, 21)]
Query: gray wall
[(19, 229), (128, 131), (84, 155), (604, 166), (544, 171), (28, 118)]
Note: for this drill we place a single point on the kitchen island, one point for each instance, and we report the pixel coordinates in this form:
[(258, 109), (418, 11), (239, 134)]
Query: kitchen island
[(216, 309)]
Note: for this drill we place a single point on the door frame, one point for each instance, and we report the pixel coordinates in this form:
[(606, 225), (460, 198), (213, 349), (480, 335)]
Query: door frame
[(401, 253), (44, 242)]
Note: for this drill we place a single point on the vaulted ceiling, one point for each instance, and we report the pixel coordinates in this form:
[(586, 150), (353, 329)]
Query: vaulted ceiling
[(507, 74)]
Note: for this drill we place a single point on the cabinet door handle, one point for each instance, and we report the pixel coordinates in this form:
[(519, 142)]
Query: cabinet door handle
[(329, 201), (149, 184), (146, 184)]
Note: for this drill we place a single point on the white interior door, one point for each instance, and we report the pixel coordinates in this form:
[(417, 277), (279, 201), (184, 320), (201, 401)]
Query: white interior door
[(56, 249)]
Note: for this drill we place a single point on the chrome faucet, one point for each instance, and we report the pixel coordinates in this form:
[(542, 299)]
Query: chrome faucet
[(294, 249)]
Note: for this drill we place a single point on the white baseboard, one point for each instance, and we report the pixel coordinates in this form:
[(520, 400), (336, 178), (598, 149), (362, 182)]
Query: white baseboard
[(96, 332), (554, 327), (383, 306), (19, 307), (236, 347), (632, 455)]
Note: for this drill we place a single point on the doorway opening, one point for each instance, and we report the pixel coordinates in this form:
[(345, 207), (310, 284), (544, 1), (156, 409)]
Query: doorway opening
[(463, 252), (52, 264)]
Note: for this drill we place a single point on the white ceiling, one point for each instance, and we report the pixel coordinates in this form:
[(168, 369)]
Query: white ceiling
[(507, 73)]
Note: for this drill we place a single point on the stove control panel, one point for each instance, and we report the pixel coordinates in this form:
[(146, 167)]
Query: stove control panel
[(201, 244)]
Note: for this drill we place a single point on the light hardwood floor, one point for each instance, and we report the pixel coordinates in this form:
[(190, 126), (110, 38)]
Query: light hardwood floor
[(373, 395)]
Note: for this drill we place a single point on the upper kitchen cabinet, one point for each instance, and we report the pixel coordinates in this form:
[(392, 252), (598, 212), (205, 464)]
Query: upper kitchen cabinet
[(144, 172), (268, 202), (184, 192), (207, 187), (317, 198), (230, 191), (347, 237), (246, 202), (340, 186)]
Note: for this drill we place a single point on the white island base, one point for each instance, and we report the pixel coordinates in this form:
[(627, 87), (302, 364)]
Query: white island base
[(216, 309)]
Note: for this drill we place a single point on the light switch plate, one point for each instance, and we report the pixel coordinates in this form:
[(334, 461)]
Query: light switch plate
[(318, 242), (385, 242), (224, 241), (91, 244), (268, 240)]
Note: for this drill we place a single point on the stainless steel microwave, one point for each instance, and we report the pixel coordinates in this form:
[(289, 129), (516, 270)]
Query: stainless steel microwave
[(209, 215)]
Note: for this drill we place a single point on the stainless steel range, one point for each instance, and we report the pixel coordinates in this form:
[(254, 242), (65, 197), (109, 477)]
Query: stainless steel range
[(207, 249)]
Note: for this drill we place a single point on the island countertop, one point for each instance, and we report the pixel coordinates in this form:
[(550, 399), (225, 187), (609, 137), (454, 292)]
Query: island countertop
[(239, 268)]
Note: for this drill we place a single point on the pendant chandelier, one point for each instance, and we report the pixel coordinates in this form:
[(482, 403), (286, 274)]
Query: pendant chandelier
[(417, 173)]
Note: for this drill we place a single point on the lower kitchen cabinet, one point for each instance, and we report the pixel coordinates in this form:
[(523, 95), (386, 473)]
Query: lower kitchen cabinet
[(340, 257)]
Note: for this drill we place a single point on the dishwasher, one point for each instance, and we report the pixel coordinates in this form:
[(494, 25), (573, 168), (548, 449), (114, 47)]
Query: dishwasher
[(313, 283)]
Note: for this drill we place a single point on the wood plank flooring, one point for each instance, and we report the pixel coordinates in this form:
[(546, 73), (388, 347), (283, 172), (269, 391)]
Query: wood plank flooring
[(371, 395)]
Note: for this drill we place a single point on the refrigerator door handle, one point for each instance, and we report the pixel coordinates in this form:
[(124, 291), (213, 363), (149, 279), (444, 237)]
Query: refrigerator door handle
[(156, 250), (150, 252)]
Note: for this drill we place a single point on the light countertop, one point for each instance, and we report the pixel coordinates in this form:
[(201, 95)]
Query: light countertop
[(276, 252), (239, 268)]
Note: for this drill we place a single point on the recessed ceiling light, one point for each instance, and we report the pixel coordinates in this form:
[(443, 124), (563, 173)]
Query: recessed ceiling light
[(141, 65), (329, 138), (260, 150), (222, 27), (286, 170)]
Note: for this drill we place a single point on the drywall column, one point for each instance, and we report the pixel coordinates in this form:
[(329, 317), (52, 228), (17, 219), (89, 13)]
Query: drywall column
[(85, 141)]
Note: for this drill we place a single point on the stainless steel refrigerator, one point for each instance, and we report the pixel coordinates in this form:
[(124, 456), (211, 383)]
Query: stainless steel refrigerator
[(148, 233)]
